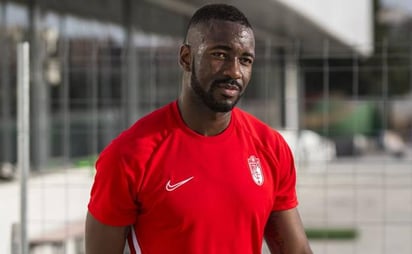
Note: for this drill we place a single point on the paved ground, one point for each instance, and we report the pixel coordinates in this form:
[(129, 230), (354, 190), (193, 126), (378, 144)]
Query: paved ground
[(371, 194), (54, 200)]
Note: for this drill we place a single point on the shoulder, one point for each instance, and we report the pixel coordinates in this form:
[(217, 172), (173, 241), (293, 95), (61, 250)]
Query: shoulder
[(155, 123), (256, 127), (145, 133), (264, 135)]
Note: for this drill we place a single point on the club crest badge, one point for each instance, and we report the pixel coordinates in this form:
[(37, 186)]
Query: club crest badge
[(255, 170)]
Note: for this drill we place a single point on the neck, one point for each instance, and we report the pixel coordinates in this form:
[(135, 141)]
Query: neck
[(201, 119)]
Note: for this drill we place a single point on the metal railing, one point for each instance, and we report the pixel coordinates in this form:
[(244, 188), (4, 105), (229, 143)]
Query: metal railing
[(349, 103)]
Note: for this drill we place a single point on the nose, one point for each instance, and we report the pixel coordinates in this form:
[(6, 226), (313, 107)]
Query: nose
[(232, 68)]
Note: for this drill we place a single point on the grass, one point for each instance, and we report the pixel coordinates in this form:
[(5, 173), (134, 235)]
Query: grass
[(86, 161), (331, 233)]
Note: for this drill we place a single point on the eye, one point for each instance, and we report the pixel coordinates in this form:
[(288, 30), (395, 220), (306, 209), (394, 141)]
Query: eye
[(246, 60), (219, 55)]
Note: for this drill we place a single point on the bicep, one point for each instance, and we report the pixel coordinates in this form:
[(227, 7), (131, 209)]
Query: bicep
[(102, 239), (284, 233)]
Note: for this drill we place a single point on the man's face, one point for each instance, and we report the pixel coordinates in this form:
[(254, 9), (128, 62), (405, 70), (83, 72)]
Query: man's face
[(223, 54)]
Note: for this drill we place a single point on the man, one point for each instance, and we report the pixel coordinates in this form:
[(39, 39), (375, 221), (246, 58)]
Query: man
[(199, 176)]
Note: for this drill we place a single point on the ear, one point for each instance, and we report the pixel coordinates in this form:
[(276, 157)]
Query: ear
[(185, 57)]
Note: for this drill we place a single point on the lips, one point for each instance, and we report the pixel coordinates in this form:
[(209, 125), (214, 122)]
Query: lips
[(230, 86), (228, 89)]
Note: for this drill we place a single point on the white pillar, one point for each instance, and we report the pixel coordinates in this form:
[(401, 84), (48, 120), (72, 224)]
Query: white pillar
[(40, 103), (130, 84), (291, 93), (23, 136)]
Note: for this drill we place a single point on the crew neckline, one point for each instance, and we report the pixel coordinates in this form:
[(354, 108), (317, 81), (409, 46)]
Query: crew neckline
[(216, 138)]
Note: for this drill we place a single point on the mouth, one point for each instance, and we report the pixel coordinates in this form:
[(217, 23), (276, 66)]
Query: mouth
[(228, 88)]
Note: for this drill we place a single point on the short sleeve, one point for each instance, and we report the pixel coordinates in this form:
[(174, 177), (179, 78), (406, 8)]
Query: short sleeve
[(113, 197), (285, 196)]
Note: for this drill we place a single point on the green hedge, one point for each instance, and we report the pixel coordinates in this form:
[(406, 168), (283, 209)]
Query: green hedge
[(332, 233)]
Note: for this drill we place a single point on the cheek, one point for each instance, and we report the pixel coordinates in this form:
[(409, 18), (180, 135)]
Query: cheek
[(247, 74), (207, 69)]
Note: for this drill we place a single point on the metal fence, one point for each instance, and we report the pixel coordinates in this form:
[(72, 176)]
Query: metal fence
[(352, 147)]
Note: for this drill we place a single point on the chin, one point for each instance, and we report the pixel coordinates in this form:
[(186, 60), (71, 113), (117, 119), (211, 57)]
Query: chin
[(222, 107)]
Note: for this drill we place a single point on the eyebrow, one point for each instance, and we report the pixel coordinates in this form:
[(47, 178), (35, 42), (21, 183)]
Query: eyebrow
[(227, 48)]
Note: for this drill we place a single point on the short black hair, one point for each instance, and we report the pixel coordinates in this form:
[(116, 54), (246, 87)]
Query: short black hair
[(222, 12)]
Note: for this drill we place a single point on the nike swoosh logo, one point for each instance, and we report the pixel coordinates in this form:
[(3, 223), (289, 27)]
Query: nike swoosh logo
[(172, 187)]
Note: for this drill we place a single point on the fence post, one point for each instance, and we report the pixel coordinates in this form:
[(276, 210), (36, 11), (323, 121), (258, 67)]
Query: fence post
[(15, 238), (23, 145)]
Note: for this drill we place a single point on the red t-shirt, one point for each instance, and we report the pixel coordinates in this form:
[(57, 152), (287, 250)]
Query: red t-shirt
[(185, 193)]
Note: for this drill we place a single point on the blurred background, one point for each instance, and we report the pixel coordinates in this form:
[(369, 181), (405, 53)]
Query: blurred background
[(334, 77)]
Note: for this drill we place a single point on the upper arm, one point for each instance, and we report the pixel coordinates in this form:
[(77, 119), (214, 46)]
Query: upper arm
[(104, 239), (284, 233)]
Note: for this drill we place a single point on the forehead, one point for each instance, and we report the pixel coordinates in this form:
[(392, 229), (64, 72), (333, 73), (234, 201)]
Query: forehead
[(225, 33)]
